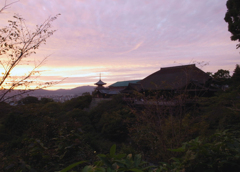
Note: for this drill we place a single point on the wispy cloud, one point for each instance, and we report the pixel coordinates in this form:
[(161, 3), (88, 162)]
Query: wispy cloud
[(134, 48)]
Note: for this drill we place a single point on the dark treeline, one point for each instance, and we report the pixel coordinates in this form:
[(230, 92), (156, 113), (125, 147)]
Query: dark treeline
[(48, 136)]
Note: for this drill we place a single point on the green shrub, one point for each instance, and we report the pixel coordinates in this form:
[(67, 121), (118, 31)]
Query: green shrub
[(80, 102), (51, 108), (219, 152), (113, 162), (46, 100), (28, 100)]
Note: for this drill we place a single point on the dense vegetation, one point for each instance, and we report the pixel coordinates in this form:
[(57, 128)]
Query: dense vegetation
[(49, 136)]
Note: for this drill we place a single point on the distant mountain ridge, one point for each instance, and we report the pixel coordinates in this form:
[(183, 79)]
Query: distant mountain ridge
[(42, 92), (77, 90)]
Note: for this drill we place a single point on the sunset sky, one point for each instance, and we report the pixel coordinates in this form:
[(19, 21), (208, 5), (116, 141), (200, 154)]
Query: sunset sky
[(127, 39)]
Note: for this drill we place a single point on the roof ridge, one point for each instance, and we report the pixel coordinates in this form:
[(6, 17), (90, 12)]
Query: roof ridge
[(182, 66), (128, 80), (122, 83)]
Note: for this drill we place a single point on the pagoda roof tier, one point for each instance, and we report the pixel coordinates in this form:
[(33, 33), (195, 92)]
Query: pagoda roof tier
[(100, 83)]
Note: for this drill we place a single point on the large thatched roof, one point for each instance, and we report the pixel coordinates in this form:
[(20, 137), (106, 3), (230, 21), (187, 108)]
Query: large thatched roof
[(172, 78)]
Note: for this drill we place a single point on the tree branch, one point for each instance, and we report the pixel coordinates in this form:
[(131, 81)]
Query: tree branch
[(6, 6)]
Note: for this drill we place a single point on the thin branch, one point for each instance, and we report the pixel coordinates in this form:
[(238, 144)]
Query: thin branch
[(23, 79), (6, 6), (3, 66), (234, 109)]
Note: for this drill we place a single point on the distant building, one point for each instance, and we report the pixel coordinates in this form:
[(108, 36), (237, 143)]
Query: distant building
[(99, 90), (114, 89)]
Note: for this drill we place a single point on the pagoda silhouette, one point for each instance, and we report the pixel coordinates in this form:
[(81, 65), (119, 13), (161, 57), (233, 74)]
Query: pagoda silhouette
[(100, 84), (100, 90)]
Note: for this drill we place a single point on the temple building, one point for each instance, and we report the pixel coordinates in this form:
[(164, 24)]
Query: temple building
[(103, 92), (113, 89), (175, 80), (168, 80)]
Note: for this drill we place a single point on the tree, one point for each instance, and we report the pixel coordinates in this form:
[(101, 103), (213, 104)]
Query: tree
[(232, 17), (221, 74), (236, 76), (222, 77), (17, 43), (28, 100)]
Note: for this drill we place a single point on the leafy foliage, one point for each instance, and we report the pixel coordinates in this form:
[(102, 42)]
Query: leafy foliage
[(28, 100), (80, 102), (236, 76), (117, 162), (219, 152), (222, 77), (45, 100), (222, 74), (42, 137), (233, 20), (111, 118)]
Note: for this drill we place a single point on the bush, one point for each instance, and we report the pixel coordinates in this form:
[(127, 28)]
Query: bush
[(80, 102), (46, 100), (28, 100), (219, 152), (52, 108), (81, 117), (115, 162)]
